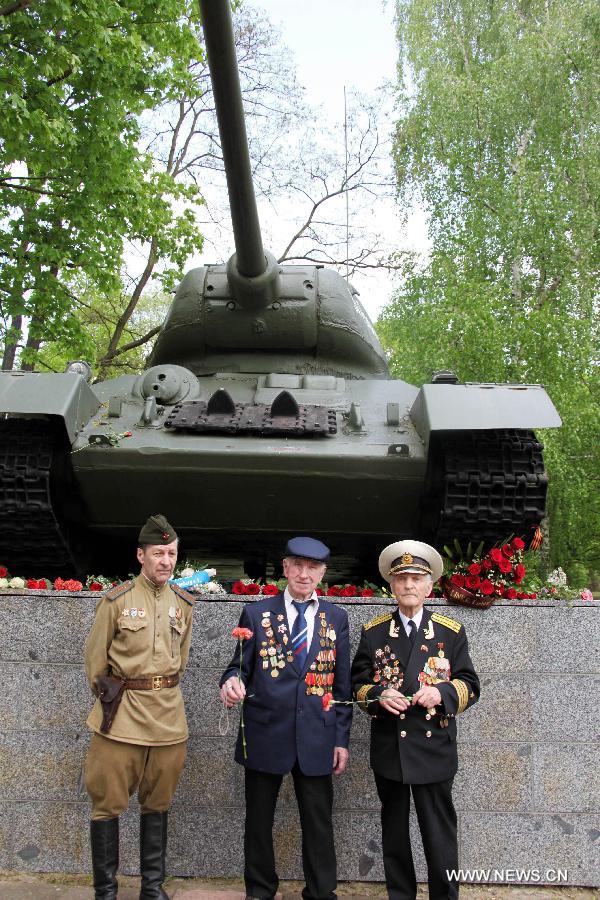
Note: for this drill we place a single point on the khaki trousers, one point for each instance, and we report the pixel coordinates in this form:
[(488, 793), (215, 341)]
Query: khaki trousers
[(114, 771)]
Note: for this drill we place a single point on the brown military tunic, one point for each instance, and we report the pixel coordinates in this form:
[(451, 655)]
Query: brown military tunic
[(143, 631)]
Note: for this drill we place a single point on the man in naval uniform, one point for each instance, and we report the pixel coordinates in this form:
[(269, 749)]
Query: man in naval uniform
[(413, 674), (141, 636), (299, 653)]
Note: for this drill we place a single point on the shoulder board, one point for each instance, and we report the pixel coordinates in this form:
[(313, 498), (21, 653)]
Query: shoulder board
[(452, 624), (119, 590), (185, 595), (384, 617)]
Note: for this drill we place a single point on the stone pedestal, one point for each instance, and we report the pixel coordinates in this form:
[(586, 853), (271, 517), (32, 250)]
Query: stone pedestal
[(527, 792)]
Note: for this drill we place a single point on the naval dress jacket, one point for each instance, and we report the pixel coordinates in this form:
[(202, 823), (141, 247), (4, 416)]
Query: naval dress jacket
[(419, 745), (284, 718), (139, 631)]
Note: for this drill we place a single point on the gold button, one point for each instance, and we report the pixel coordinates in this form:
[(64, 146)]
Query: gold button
[(402, 734), (402, 715), (427, 734)]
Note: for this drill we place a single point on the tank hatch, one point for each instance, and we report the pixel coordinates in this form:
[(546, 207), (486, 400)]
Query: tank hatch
[(222, 415)]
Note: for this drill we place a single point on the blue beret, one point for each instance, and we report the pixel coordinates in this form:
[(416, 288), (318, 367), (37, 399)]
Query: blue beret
[(307, 548)]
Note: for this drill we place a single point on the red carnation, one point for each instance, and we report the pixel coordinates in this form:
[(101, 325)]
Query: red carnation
[(517, 544), (333, 591), (238, 587), (349, 591), (59, 585), (252, 588), (319, 592), (521, 595), (3, 571), (486, 587), (511, 594), (507, 551), (495, 555), (327, 700), (474, 569), (367, 592), (458, 580), (242, 634), (32, 584), (473, 582), (42, 584), (95, 586), (486, 565), (505, 566), (270, 590), (72, 585)]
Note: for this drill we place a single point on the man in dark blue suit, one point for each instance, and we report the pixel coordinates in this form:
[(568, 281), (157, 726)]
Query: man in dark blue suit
[(298, 653)]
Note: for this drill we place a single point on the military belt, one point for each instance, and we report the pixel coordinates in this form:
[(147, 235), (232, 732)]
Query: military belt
[(152, 682)]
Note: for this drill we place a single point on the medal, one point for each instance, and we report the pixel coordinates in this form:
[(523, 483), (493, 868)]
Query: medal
[(133, 612), (125, 612), (141, 613), (274, 673)]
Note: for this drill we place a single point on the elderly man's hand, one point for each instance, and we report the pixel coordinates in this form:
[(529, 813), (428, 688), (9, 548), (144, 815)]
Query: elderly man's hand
[(340, 760), (427, 696), (393, 701), (232, 691)]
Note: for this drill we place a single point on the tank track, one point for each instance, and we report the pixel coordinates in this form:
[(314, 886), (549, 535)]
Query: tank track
[(484, 486), (32, 542)]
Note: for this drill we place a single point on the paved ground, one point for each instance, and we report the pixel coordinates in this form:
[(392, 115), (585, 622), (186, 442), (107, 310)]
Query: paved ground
[(18, 886)]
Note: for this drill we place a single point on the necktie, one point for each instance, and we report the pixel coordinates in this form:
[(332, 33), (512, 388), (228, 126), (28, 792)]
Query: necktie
[(300, 632), (413, 632)]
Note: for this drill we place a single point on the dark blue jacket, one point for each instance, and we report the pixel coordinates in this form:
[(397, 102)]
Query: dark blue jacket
[(284, 720)]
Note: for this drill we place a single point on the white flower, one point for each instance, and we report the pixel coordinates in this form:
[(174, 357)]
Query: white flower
[(211, 572), (557, 578), (187, 572), (16, 583), (3, 583), (213, 587)]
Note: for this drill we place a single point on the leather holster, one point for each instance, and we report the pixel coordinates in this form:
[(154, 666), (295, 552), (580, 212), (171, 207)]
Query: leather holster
[(110, 692)]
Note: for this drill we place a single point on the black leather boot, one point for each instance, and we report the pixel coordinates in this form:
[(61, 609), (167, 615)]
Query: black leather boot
[(104, 835), (153, 848)]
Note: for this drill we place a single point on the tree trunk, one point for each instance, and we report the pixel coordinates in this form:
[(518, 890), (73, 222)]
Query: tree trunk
[(12, 342)]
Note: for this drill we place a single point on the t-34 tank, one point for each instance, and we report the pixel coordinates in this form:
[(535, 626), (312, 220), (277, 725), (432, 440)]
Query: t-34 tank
[(266, 410)]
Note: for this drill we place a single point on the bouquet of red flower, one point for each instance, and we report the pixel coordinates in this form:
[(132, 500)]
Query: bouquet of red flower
[(474, 579)]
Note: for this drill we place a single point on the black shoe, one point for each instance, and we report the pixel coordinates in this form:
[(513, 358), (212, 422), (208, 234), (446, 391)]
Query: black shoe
[(153, 848), (104, 836)]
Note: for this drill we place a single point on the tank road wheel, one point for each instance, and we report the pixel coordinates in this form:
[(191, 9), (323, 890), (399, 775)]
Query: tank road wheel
[(33, 454), (483, 486)]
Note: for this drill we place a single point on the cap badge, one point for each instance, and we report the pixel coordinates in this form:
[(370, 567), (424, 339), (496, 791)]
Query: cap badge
[(407, 559)]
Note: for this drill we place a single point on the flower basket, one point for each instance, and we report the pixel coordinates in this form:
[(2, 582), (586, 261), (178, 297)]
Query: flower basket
[(464, 597)]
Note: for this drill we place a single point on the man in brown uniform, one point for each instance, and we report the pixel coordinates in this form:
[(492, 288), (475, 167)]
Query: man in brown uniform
[(140, 637)]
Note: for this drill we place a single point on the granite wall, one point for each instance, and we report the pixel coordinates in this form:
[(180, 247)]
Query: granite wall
[(527, 792)]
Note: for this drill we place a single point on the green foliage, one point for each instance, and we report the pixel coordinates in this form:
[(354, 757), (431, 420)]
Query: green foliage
[(73, 184), (498, 136)]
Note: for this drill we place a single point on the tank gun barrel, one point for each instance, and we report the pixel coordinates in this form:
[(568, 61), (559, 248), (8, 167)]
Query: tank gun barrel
[(253, 274)]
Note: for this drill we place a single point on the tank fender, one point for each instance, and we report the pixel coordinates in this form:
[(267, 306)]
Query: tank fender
[(65, 395), (482, 407)]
